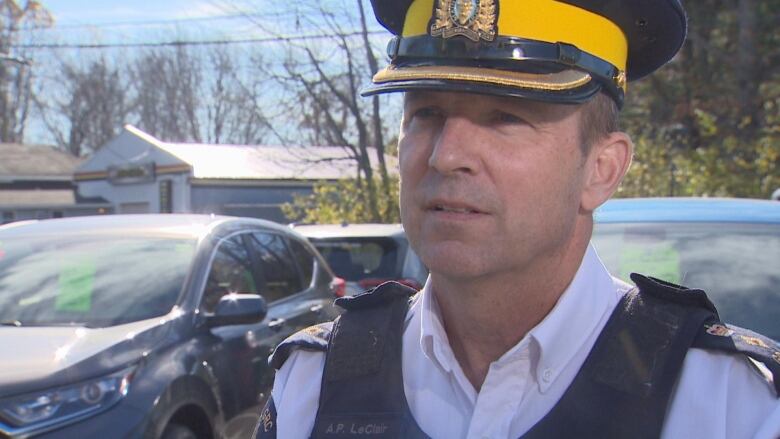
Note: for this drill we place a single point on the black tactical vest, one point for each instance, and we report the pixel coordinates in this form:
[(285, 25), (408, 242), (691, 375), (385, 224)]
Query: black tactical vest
[(621, 391)]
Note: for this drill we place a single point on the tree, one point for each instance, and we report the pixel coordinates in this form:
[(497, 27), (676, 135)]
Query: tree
[(234, 104), (321, 79), (15, 72), (167, 93), (337, 202), (95, 107), (707, 124)]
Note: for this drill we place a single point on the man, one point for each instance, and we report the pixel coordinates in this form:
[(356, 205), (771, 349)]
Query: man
[(507, 145)]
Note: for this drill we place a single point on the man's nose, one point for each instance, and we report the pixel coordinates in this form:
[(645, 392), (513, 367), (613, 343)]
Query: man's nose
[(455, 150)]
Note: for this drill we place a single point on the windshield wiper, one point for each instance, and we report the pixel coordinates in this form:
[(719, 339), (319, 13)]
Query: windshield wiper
[(16, 323)]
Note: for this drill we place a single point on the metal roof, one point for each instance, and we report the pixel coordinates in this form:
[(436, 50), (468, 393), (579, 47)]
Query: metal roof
[(228, 162), (37, 197), (266, 162), (36, 162), (684, 209)]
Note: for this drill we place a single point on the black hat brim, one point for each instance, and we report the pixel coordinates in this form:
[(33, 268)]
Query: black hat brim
[(564, 87)]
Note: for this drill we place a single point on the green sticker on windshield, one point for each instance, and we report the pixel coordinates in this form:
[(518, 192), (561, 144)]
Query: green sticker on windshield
[(183, 248), (659, 260), (76, 283)]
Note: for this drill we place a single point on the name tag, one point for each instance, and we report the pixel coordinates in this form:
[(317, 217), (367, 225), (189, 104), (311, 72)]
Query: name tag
[(356, 426)]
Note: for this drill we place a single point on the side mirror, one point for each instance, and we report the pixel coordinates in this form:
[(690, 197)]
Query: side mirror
[(238, 309)]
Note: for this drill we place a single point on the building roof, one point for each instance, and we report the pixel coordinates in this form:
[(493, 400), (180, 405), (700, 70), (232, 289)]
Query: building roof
[(134, 147), (36, 162), (267, 162), (37, 197)]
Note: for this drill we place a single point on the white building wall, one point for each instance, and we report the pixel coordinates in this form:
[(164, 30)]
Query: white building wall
[(129, 194)]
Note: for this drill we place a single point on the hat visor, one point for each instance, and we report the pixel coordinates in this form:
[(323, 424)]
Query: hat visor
[(565, 86)]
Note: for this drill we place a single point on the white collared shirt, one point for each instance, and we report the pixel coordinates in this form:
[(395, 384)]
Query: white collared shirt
[(718, 396)]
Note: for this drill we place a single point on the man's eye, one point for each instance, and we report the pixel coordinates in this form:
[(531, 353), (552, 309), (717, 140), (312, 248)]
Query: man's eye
[(508, 118), (426, 113)]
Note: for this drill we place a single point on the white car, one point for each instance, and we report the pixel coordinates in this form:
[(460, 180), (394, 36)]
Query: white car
[(365, 255)]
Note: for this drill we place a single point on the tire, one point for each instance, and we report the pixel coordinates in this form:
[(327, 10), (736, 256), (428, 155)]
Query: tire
[(178, 431)]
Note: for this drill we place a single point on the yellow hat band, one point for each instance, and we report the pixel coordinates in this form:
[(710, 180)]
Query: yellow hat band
[(542, 20)]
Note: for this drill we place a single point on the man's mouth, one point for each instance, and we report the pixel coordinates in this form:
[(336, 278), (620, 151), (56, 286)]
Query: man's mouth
[(452, 209)]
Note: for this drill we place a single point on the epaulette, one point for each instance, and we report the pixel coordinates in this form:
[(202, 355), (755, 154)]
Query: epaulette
[(716, 335), (382, 294), (313, 338), (672, 292), (316, 338)]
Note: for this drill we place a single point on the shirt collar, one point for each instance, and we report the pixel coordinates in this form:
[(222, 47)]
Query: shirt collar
[(433, 339), (585, 303), (555, 340)]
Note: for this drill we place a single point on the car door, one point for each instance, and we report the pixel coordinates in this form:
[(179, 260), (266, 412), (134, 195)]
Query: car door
[(239, 353), (287, 280)]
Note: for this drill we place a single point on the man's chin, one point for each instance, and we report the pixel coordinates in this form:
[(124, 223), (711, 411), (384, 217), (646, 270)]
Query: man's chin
[(453, 259)]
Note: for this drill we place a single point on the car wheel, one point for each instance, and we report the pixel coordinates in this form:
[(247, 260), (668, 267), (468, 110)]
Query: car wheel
[(178, 431)]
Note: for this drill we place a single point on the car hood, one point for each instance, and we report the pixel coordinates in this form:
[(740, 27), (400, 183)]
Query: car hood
[(42, 357)]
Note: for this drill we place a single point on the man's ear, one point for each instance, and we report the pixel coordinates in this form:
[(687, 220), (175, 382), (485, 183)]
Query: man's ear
[(608, 161)]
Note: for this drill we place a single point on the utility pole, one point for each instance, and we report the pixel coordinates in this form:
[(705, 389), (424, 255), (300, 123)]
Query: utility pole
[(11, 17)]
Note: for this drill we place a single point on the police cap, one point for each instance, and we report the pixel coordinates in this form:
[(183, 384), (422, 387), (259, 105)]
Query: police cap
[(551, 50)]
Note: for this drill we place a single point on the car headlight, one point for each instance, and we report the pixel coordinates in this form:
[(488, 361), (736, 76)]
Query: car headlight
[(45, 410)]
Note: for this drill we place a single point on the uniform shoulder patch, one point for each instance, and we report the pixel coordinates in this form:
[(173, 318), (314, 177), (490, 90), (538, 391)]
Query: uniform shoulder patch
[(384, 293), (266, 425), (672, 292), (716, 335), (313, 338)]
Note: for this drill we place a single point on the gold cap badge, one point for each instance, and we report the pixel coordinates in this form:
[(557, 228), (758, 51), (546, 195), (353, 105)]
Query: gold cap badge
[(474, 19)]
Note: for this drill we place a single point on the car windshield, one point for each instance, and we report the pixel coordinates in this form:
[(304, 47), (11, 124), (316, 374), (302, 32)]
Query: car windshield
[(737, 264), (94, 281), (354, 259)]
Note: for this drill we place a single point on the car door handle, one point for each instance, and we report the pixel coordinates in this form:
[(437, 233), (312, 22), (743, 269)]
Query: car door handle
[(316, 308), (276, 324)]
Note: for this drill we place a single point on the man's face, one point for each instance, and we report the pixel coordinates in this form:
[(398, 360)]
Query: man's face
[(488, 184)]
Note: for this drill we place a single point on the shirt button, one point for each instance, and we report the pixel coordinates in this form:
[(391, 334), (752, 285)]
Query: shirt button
[(547, 375)]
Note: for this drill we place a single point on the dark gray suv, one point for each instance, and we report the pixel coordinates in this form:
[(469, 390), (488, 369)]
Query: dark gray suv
[(154, 326)]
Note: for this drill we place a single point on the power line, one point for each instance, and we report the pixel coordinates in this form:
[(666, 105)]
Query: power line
[(278, 39), (144, 22)]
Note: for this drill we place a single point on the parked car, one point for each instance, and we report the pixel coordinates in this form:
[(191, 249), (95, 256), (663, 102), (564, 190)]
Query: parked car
[(153, 326), (366, 255), (728, 247)]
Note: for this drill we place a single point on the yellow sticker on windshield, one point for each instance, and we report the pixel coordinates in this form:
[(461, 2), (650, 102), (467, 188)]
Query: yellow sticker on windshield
[(659, 260), (76, 282)]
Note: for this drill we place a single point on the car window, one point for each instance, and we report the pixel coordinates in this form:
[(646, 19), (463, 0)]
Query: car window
[(361, 258), (278, 267), (305, 260), (91, 280), (737, 264), (230, 272)]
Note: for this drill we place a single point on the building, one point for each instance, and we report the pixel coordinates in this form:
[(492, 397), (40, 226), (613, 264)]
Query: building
[(36, 182), (137, 173)]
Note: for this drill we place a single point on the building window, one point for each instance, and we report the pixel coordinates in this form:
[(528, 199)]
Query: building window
[(166, 196), (57, 214), (8, 217)]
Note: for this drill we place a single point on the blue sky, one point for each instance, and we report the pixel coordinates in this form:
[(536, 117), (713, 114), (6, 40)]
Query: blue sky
[(78, 11), (109, 21)]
